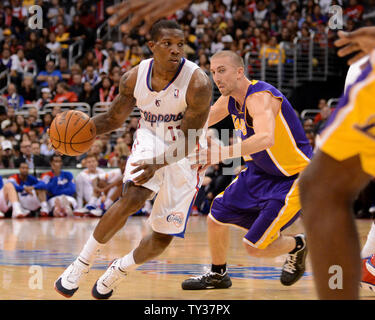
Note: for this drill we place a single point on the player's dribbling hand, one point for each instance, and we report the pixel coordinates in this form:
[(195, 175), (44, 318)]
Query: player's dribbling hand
[(148, 168), (361, 41), (207, 157), (148, 11)]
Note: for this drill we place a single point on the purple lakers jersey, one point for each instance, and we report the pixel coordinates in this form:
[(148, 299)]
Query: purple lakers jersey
[(291, 151)]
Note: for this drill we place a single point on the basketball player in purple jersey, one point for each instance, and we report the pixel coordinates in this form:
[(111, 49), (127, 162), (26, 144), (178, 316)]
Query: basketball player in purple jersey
[(264, 198)]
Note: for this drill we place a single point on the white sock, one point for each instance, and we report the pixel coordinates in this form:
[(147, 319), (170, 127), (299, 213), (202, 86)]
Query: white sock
[(44, 205), (16, 207), (369, 247), (107, 203), (127, 262), (90, 250)]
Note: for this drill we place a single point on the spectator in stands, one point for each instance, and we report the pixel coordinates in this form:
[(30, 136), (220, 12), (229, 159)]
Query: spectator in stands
[(32, 160), (76, 84), (31, 191), (77, 31), (7, 155), (91, 75), (121, 149), (97, 150), (28, 90), (110, 61), (63, 94), (19, 62), (6, 63), (87, 95), (60, 188), (308, 125), (99, 53), (54, 45), (63, 38), (45, 98), (50, 72), (107, 91), (133, 125), (310, 135), (128, 139), (325, 112), (121, 60), (14, 99), (354, 11)]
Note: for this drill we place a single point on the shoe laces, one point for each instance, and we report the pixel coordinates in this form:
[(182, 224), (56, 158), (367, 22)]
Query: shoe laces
[(76, 273), (112, 277), (207, 274), (290, 265)]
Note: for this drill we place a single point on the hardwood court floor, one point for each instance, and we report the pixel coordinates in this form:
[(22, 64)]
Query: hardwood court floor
[(35, 251)]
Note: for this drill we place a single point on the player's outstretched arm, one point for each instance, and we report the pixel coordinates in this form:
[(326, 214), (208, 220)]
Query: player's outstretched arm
[(263, 108), (148, 11), (361, 41), (218, 111), (121, 106)]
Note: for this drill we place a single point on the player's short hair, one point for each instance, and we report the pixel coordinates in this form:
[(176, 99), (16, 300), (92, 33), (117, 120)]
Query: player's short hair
[(55, 155), (23, 162), (163, 24), (237, 59), (92, 155)]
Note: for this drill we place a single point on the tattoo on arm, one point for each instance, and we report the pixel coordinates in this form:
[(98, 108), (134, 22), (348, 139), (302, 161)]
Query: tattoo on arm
[(121, 106)]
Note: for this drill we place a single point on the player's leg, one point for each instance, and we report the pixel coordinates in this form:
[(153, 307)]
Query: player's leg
[(328, 190), (11, 196), (131, 201), (42, 197)]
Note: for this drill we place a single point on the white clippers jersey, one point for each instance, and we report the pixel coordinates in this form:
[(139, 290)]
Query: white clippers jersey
[(162, 112)]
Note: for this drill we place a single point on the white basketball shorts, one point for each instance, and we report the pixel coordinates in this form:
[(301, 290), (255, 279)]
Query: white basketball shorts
[(176, 186), (29, 201)]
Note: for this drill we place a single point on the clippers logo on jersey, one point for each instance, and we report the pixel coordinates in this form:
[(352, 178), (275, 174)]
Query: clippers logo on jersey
[(368, 128), (176, 218), (153, 118), (62, 181)]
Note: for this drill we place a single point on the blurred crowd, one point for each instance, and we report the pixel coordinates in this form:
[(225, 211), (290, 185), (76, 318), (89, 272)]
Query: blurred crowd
[(42, 74)]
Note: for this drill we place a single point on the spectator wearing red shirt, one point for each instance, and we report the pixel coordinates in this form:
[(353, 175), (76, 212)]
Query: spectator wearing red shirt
[(63, 94), (354, 11)]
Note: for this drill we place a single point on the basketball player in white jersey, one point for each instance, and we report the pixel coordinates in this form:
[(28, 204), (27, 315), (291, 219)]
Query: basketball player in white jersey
[(84, 185), (174, 96)]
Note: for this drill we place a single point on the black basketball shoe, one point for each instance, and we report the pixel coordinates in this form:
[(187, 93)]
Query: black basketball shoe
[(209, 280), (294, 266)]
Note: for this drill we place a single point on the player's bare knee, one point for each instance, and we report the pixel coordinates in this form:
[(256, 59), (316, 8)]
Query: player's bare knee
[(254, 252)]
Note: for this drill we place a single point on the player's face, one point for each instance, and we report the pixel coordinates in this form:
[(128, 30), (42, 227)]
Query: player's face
[(225, 74), (168, 49), (24, 169), (56, 164), (91, 163)]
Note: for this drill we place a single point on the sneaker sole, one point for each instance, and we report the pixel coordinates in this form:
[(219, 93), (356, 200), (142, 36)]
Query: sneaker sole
[(98, 296), (61, 290), (367, 286), (205, 288)]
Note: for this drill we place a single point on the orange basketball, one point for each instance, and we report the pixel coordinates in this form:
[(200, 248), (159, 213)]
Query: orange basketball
[(72, 132)]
